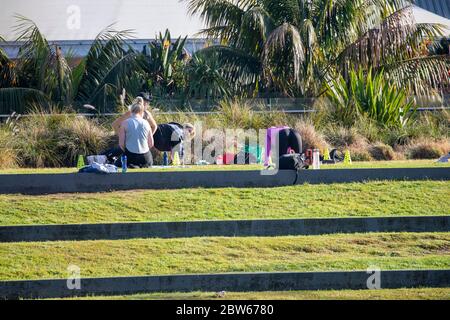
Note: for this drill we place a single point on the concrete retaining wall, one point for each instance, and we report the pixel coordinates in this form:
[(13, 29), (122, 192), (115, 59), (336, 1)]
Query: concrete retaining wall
[(234, 228), (60, 183), (229, 282)]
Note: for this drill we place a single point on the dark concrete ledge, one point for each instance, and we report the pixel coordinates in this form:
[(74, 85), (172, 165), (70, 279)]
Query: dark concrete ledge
[(232, 228), (75, 182), (353, 280)]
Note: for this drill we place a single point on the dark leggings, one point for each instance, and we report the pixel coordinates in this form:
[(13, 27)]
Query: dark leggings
[(134, 160), (112, 154), (289, 138)]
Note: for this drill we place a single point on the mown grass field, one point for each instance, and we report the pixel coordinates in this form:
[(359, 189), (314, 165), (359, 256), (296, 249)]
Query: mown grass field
[(382, 294), (387, 251), (336, 252), (385, 198)]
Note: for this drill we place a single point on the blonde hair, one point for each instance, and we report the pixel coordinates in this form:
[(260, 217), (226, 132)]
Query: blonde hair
[(137, 106), (191, 127), (138, 100)]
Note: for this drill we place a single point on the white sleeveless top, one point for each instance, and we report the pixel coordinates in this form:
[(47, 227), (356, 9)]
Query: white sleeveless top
[(136, 135)]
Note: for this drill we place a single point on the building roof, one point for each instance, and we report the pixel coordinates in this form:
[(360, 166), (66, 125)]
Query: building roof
[(80, 48), (439, 7), (424, 16)]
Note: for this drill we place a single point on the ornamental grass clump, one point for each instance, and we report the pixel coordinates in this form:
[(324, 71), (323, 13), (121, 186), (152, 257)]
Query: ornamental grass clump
[(8, 152), (56, 138)]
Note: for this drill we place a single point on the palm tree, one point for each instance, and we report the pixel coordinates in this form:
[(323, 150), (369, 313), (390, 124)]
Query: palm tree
[(11, 91), (162, 61), (205, 80), (41, 73), (296, 46)]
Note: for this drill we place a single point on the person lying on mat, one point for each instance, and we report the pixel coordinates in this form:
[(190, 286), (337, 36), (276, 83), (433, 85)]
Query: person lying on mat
[(289, 140), (135, 138), (169, 137)]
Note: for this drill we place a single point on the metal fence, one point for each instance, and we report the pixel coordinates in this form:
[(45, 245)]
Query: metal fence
[(199, 107)]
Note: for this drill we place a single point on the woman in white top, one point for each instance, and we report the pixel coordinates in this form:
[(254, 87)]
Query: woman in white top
[(136, 137)]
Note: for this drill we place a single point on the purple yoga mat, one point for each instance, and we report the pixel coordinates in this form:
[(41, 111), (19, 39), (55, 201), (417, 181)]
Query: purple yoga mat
[(271, 133)]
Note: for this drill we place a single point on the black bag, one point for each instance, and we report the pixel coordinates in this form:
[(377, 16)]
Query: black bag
[(336, 156), (246, 156), (293, 161)]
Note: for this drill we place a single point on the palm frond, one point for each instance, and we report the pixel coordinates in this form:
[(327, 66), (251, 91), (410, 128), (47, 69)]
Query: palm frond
[(8, 70), (206, 79), (420, 75), (43, 67), (313, 54), (33, 53), (219, 12), (107, 49), (341, 22), (117, 75), (284, 42), (256, 26), (78, 72), (3, 55), (56, 77), (238, 67), (284, 11), (20, 99), (218, 32), (216, 13)]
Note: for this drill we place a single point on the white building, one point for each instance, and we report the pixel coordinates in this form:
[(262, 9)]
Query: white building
[(84, 19)]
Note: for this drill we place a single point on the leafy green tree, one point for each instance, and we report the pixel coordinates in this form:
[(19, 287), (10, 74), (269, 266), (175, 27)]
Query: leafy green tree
[(205, 78), (164, 64), (296, 46), (41, 73)]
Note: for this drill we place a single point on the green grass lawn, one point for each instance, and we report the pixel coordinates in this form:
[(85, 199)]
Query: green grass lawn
[(214, 255), (382, 294), (363, 164), (388, 251), (393, 198)]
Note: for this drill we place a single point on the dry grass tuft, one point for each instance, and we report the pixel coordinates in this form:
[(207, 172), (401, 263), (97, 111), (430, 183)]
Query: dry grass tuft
[(427, 148)]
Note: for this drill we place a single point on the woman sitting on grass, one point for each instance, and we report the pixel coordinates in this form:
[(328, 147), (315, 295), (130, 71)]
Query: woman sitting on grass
[(145, 99), (136, 138), (166, 136)]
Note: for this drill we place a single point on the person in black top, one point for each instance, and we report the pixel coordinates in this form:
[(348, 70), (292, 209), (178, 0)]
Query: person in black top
[(169, 137), (289, 139)]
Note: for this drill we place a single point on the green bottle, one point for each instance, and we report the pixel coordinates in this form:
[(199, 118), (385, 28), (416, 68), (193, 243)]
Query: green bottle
[(80, 163)]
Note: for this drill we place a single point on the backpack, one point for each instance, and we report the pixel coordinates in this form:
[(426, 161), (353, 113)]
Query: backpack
[(246, 157), (293, 161)]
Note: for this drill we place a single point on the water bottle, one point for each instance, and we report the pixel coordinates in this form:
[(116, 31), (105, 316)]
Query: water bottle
[(124, 163), (316, 159), (182, 156), (165, 159)]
